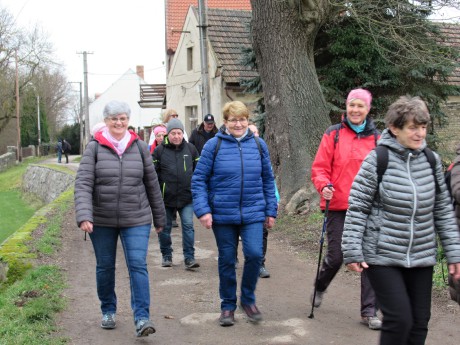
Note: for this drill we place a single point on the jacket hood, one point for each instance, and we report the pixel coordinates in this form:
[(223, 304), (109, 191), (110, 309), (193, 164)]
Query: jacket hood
[(387, 139)]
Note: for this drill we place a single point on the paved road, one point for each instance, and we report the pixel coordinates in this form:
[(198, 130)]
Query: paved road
[(185, 304)]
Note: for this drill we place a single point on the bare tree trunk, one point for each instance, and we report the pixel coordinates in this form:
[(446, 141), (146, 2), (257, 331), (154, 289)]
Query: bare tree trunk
[(297, 115)]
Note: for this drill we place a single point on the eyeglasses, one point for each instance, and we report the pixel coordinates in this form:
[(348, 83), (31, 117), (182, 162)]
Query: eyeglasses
[(174, 116), (234, 121), (116, 119)]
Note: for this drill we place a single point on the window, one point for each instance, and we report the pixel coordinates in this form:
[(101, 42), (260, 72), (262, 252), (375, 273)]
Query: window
[(190, 59), (191, 118)]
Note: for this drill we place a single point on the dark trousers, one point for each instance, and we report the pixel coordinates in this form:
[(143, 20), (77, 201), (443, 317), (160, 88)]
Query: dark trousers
[(333, 262), (404, 296), (66, 154), (265, 244)]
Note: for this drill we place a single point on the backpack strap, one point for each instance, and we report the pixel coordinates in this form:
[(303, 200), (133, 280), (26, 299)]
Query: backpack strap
[(219, 141), (96, 151), (382, 162), (258, 146), (140, 151), (432, 160), (336, 136)]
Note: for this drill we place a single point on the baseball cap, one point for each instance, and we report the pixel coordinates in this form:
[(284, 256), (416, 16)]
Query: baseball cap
[(209, 118)]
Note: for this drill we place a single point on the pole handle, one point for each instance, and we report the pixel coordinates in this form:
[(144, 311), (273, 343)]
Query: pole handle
[(326, 210)]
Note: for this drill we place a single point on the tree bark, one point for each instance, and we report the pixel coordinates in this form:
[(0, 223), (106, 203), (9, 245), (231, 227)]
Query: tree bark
[(284, 33)]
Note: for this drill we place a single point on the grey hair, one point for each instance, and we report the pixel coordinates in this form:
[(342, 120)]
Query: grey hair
[(114, 108), (407, 109)]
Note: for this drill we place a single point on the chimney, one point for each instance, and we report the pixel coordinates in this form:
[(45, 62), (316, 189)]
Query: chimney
[(140, 71)]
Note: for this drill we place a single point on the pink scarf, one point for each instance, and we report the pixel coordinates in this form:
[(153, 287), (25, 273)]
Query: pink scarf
[(119, 145)]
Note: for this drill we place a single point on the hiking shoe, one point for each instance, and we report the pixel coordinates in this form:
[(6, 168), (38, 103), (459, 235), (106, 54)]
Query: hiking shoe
[(166, 262), (174, 224), (318, 298), (108, 321), (263, 272), (252, 312), (191, 263), (144, 328), (227, 318), (373, 322)]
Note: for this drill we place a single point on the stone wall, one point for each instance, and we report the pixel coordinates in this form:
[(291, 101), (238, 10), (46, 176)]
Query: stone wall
[(47, 184), (7, 161)]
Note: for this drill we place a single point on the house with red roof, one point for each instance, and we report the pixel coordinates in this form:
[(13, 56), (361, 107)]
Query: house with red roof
[(228, 34)]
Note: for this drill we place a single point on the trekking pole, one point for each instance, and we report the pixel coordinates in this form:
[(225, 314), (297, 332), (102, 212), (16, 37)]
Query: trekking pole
[(321, 241)]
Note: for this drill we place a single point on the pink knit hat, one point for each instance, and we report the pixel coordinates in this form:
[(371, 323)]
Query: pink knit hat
[(361, 94), (159, 129)]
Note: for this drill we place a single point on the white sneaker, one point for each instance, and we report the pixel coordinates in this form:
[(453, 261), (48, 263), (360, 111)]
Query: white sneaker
[(373, 322)]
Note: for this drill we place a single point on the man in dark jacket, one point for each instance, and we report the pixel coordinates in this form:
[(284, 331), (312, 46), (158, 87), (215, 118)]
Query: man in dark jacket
[(66, 150), (175, 161), (203, 133)]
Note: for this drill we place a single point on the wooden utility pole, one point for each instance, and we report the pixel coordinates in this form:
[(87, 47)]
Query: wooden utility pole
[(18, 119), (86, 99), (203, 25)]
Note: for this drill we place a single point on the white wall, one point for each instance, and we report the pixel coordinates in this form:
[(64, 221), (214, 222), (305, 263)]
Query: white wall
[(126, 89)]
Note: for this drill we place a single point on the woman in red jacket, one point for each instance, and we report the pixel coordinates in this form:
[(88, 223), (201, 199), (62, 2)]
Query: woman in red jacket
[(340, 154)]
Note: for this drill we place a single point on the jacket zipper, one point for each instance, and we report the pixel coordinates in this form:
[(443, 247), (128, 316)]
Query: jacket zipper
[(242, 182), (119, 188), (411, 240)]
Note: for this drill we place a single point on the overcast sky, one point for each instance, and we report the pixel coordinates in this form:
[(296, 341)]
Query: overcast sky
[(119, 34)]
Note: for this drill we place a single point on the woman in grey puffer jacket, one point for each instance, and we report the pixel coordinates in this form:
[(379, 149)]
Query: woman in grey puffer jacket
[(390, 228)]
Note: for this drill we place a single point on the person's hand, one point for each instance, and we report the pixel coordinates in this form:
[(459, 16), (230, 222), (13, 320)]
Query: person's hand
[(454, 270), (206, 220), (328, 192), (86, 226), (159, 229), (357, 266), (269, 222)]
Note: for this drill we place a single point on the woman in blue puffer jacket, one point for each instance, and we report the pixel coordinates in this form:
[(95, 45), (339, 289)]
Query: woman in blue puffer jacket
[(233, 192)]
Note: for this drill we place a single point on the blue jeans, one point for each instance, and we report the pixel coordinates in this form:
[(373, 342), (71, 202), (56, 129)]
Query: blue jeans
[(188, 233), (59, 153), (135, 244), (227, 244)]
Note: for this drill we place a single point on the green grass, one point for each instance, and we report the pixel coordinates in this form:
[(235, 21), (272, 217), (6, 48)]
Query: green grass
[(30, 302), (14, 212), (28, 308), (14, 209)]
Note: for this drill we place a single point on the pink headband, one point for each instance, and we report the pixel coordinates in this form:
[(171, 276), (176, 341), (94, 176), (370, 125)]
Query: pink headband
[(361, 94), (159, 129)]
